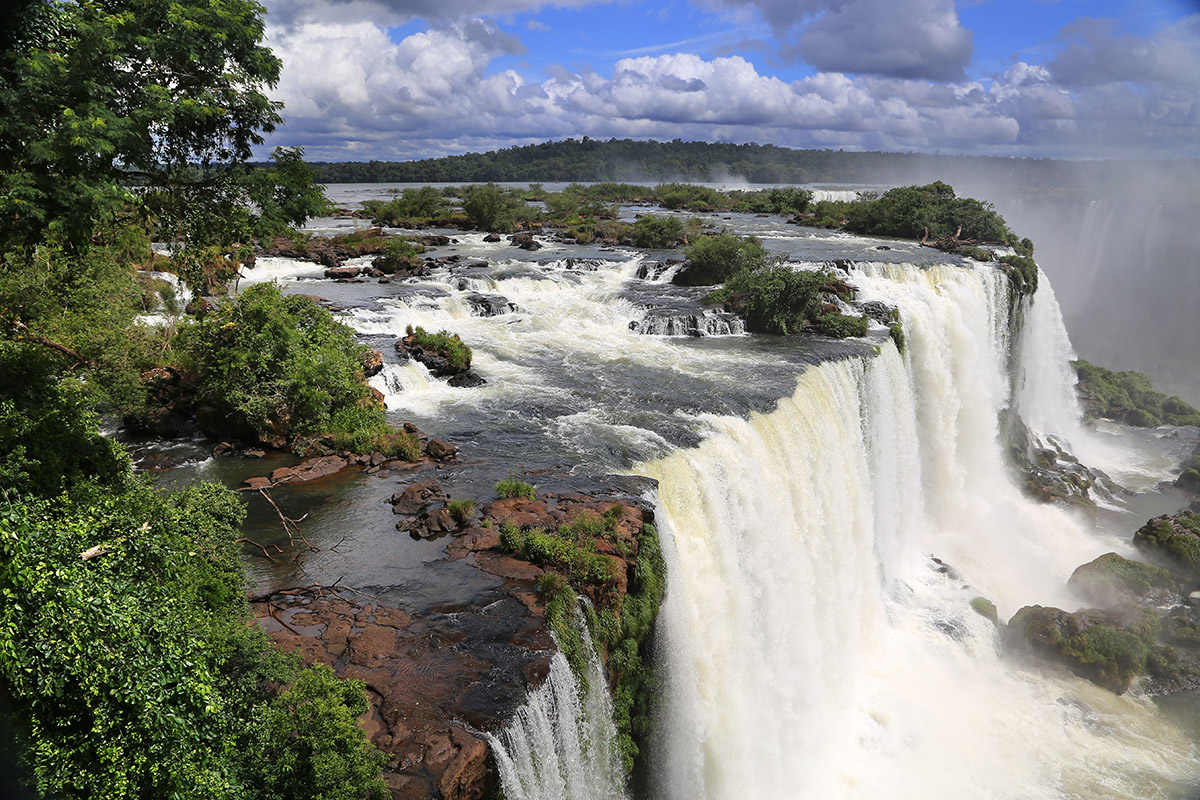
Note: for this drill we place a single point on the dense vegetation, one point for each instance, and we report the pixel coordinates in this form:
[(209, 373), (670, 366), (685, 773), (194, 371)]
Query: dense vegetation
[(127, 664), (716, 259), (628, 160), (777, 298), (1129, 397)]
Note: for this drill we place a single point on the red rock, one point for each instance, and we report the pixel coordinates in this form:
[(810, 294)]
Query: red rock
[(309, 470)]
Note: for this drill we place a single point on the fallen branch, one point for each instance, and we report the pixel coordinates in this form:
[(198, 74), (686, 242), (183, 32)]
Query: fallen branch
[(23, 331), (316, 590), (262, 547)]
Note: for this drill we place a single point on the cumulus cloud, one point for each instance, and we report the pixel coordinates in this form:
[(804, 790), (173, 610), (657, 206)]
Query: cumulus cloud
[(351, 92), (898, 38)]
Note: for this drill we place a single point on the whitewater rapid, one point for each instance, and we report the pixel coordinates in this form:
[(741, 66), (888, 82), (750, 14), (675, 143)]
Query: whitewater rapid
[(812, 645)]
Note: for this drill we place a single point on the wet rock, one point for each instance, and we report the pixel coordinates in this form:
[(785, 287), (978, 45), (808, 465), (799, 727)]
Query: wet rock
[(429, 525), (1174, 540), (310, 470), (879, 311), (1112, 579), (1110, 648), (468, 380), (986, 609), (415, 432), (440, 450), (222, 448), (432, 240), (525, 241), (343, 272), (492, 237), (417, 497), (489, 305)]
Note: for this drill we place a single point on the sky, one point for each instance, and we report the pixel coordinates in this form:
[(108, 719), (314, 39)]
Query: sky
[(406, 79)]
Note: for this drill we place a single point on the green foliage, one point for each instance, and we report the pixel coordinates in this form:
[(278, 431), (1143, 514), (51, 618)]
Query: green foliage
[(775, 298), (306, 742), (363, 428), (977, 253), (1129, 397), (716, 259), (1118, 655), (84, 129), (461, 510), (896, 332), (840, 326), (560, 602), (630, 657), (87, 304), (657, 232), (911, 211), (133, 673), (691, 197), (560, 550), (273, 362), (784, 201), (491, 209), (413, 205), (400, 253), (1176, 537), (1024, 272), (986, 609), (1117, 573), (448, 345), (48, 436), (512, 487)]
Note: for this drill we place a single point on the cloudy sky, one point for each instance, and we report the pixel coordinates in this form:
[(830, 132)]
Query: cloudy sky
[(404, 79)]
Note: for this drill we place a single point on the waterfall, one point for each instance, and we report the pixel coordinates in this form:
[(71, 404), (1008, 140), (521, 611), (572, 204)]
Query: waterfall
[(562, 745), (818, 636)]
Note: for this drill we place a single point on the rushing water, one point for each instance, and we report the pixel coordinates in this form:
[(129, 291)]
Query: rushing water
[(813, 647), (828, 511), (562, 742)]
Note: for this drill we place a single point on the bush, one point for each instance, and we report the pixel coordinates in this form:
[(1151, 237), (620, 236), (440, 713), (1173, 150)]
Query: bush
[(364, 429), (655, 232), (399, 253), (461, 510), (977, 253), (1024, 272), (840, 326), (135, 674), (1129, 397), (784, 201), (774, 299), (511, 487), (412, 205), (691, 197), (911, 211), (448, 345), (716, 259), (490, 209), (270, 364)]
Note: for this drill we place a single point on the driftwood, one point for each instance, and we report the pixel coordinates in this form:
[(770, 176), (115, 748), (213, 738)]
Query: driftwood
[(946, 243), (314, 590)]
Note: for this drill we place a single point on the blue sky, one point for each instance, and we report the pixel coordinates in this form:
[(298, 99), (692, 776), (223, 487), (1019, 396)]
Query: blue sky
[(400, 79)]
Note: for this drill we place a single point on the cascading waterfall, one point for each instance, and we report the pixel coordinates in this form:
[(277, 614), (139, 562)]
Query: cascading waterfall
[(562, 745), (813, 648)]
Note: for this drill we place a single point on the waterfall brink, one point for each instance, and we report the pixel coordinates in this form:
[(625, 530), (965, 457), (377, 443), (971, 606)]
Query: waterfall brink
[(562, 745), (818, 636)]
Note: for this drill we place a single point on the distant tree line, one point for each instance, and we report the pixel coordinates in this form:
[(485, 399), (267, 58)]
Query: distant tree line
[(629, 160)]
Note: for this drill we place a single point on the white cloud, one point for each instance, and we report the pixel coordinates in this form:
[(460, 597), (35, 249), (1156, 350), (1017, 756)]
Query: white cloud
[(351, 93)]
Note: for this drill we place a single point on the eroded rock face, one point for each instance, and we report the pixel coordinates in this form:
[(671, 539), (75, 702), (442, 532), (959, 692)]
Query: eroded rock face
[(419, 681), (436, 678)]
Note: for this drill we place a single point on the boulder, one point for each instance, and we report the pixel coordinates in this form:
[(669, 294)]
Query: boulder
[(343, 272), (417, 497), (525, 241), (1174, 540), (489, 305), (1112, 579), (1109, 648), (469, 379), (492, 237), (440, 450), (310, 470)]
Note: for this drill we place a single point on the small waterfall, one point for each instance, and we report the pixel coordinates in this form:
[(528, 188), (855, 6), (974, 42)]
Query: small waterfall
[(705, 322), (813, 646), (562, 745)]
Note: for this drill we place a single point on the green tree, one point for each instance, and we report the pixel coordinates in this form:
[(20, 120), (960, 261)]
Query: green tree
[(269, 364), (716, 259), (108, 110)]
